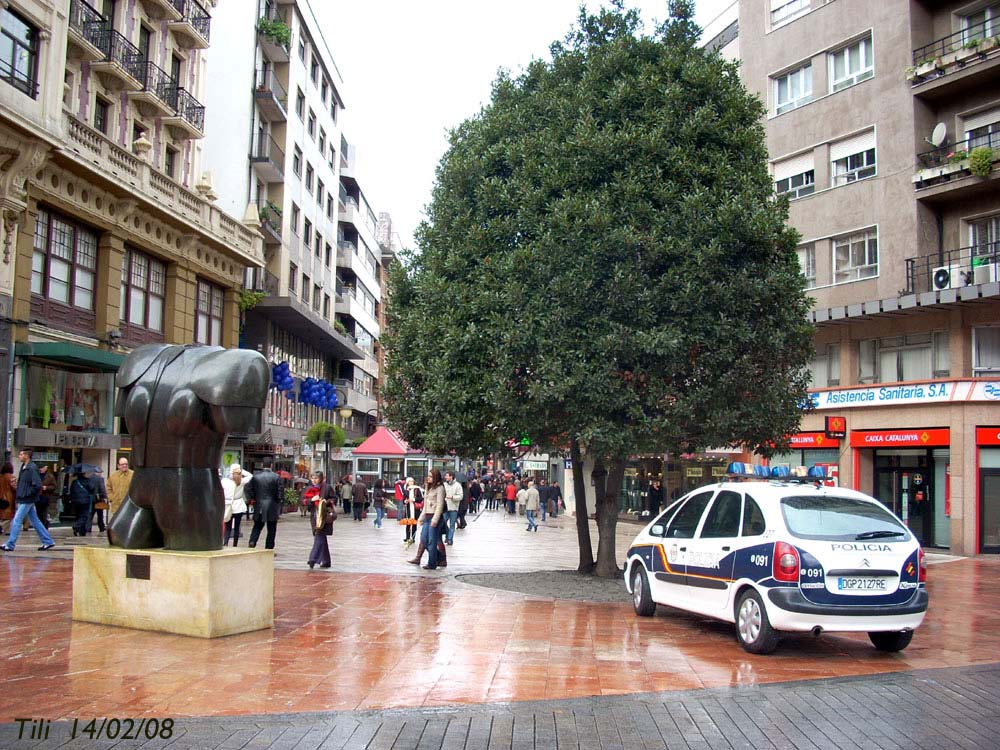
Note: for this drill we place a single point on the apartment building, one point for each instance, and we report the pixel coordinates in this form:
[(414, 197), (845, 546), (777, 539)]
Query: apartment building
[(282, 159), (110, 235), (883, 128)]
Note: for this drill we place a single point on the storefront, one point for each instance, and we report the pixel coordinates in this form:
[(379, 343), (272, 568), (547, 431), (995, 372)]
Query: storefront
[(811, 449), (988, 489), (385, 454)]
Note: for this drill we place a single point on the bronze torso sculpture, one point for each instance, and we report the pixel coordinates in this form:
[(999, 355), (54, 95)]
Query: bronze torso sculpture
[(179, 404)]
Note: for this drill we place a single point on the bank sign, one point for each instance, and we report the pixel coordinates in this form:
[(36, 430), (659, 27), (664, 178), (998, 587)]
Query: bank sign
[(914, 393)]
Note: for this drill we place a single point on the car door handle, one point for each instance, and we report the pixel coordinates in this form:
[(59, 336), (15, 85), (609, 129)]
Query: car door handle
[(726, 548), (684, 549)]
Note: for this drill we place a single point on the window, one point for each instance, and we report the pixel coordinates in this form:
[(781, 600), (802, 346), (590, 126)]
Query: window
[(723, 519), (208, 314), (983, 129), (854, 167), (893, 359), (311, 126), (302, 48), (295, 219), (307, 232), (319, 245), (102, 110), (18, 52), (984, 236), (333, 108), (796, 186), (982, 24), (300, 105), (297, 161), (322, 141), (783, 11), (319, 193), (309, 177), (329, 206), (852, 64), (143, 289), (825, 366), (293, 276), (324, 91), (317, 296), (306, 287), (753, 519), (807, 262), (328, 254), (985, 352), (63, 261), (793, 89), (855, 257), (685, 521), (326, 304), (333, 156), (314, 69), (170, 162)]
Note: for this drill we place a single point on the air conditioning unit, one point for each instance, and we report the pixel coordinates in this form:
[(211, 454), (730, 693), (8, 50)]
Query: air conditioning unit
[(949, 277), (986, 274)]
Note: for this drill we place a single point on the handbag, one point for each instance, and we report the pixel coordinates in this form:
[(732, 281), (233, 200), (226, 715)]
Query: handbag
[(101, 505)]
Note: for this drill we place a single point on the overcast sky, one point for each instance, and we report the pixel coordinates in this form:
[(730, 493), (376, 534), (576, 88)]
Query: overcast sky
[(414, 70)]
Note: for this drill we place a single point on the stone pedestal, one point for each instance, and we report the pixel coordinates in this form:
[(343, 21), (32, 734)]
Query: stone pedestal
[(204, 594)]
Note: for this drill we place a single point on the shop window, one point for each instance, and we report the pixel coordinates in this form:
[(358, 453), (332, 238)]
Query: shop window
[(63, 271), (62, 400), (368, 466), (18, 52), (143, 289), (209, 314), (986, 352), (920, 356)]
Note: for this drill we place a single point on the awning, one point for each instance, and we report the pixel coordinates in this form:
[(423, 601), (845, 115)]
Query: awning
[(77, 355)]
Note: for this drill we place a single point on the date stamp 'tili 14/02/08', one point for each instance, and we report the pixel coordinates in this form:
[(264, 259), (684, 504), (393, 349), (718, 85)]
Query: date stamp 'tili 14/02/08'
[(96, 729)]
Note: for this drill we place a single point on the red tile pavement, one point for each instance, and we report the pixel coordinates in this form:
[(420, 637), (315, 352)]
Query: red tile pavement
[(352, 640)]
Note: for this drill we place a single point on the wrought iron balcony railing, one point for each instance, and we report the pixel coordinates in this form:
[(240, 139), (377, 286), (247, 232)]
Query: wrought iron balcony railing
[(189, 108), (967, 38), (157, 81), (951, 269), (958, 151), (198, 17), (117, 49), (86, 21)]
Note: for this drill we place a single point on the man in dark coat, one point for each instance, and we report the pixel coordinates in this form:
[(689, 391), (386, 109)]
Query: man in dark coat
[(360, 497), (29, 486), (264, 488)]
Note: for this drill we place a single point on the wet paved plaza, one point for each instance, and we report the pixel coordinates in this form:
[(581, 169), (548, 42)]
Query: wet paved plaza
[(375, 633)]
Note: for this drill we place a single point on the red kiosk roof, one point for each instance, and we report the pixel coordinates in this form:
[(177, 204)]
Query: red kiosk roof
[(384, 442)]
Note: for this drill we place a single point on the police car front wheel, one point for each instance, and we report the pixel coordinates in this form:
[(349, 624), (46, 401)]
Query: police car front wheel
[(753, 629), (891, 641), (642, 599)]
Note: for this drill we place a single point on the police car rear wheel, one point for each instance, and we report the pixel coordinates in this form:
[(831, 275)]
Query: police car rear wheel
[(642, 599), (753, 629), (893, 641)]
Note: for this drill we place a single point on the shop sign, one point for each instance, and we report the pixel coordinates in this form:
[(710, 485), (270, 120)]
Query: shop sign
[(988, 436), (836, 427), (307, 450), (38, 438), (694, 471), (894, 395), (535, 465), (567, 464), (914, 438), (805, 440), (718, 471)]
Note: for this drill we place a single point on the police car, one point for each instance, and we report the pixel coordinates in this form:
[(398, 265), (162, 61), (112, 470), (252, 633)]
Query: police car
[(782, 554)]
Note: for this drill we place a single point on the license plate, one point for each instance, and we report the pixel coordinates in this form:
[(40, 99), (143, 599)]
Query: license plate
[(861, 584)]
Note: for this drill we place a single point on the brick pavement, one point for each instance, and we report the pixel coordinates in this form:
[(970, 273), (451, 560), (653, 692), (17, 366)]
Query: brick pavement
[(920, 710)]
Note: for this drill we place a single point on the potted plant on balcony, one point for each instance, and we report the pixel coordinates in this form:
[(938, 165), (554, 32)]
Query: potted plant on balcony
[(276, 30), (929, 65), (967, 50), (981, 161)]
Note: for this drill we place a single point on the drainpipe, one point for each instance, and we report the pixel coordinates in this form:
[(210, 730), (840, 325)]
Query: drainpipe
[(940, 233)]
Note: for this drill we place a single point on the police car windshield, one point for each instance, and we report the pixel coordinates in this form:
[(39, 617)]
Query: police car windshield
[(839, 518)]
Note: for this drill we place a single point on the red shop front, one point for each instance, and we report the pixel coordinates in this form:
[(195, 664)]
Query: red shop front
[(988, 489)]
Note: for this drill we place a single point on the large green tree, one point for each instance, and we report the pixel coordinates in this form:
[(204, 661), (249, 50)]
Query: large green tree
[(604, 266)]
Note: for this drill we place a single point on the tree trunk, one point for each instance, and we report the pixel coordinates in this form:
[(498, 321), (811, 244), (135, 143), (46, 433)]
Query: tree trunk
[(582, 517), (607, 517)]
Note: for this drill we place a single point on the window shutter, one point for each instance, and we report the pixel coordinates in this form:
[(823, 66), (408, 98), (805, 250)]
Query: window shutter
[(853, 145), (793, 166), (980, 119)]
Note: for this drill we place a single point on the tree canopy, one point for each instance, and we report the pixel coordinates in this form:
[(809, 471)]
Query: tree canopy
[(604, 260)]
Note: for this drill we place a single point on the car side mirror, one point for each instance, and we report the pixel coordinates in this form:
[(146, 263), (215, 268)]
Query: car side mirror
[(657, 529)]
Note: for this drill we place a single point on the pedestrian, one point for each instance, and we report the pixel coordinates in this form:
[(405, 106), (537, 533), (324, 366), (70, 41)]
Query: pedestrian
[(411, 508), (431, 522), (655, 496), (510, 495), (346, 492), (556, 498), (531, 503), (543, 497), (29, 486), (264, 489), (323, 513), (46, 495), (359, 498), (118, 485), (452, 499), (234, 489), (522, 497), (7, 494), (475, 495), (81, 500), (378, 501), (100, 500)]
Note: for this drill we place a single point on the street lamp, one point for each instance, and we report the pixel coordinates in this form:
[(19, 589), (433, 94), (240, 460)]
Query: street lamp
[(373, 413), (344, 410)]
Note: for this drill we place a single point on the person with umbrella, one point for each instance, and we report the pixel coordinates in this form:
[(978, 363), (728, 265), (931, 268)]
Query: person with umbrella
[(81, 496)]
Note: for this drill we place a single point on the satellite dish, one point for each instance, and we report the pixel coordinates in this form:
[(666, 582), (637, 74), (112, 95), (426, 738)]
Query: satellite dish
[(938, 135)]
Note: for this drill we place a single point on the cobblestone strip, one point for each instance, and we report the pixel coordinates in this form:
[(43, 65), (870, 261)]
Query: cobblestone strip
[(954, 708)]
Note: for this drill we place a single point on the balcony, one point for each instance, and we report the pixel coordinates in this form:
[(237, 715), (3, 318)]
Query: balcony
[(274, 35), (953, 269), (345, 251), (193, 29), (121, 62), (188, 119), (947, 170), (85, 27), (156, 97), (268, 159), (271, 96), (270, 222), (158, 10), (959, 62)]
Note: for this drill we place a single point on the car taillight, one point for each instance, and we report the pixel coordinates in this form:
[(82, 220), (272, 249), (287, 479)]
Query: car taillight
[(786, 562), (922, 565)]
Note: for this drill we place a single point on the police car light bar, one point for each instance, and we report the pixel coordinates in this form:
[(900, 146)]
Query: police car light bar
[(742, 470)]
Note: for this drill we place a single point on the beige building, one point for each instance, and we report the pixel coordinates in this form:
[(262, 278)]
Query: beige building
[(110, 236), (883, 127)]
